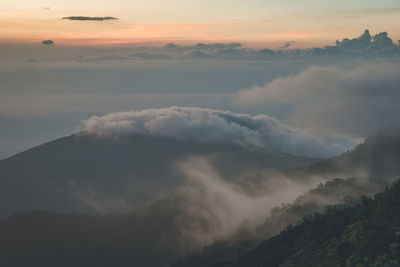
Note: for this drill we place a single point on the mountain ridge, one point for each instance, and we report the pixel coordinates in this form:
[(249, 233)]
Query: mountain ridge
[(85, 172)]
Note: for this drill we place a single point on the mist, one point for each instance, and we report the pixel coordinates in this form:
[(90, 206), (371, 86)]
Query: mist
[(361, 100), (216, 208), (208, 125)]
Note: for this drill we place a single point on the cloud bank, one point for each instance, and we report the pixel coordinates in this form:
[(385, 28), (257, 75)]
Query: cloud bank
[(362, 100), (366, 46), (86, 18), (208, 125)]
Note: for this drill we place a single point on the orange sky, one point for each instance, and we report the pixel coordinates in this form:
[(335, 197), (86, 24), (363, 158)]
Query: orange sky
[(255, 23)]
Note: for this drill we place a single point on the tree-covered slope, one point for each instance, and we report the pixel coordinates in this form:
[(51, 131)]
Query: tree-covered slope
[(156, 235), (196, 217), (346, 192), (378, 156), (364, 235)]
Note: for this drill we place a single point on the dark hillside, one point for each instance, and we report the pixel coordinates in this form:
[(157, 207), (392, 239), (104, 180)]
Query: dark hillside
[(365, 235)]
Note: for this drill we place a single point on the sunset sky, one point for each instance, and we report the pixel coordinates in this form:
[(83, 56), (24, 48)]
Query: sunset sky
[(63, 61), (253, 22)]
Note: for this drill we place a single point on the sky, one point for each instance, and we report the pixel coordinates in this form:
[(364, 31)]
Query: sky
[(254, 22), (63, 62)]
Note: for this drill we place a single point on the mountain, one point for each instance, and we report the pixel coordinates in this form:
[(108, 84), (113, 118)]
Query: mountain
[(378, 156), (365, 235), (191, 221), (87, 173), (155, 235), (346, 192), (371, 166)]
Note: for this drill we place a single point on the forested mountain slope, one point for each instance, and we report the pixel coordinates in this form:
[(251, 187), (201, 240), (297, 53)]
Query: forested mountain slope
[(365, 235)]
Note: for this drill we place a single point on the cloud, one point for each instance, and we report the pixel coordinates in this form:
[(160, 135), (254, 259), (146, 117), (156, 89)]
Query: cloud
[(85, 18), (148, 56), (200, 55), (217, 46), (135, 56), (202, 46), (102, 58), (367, 42), (288, 44), (48, 42), (214, 208), (208, 125), (365, 46), (363, 100)]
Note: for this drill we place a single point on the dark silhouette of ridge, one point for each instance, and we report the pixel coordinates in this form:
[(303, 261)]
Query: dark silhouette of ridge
[(86, 173)]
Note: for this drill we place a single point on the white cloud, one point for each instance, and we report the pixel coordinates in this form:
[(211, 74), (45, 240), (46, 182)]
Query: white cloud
[(208, 125), (362, 100)]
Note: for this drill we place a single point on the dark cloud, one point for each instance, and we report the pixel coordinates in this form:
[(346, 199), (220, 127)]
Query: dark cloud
[(135, 56), (382, 40), (201, 46), (48, 42), (366, 46), (361, 42), (288, 44), (200, 55), (148, 56), (86, 18), (102, 58), (171, 46)]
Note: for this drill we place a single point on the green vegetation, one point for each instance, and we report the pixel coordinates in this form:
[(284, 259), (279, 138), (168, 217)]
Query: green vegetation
[(365, 235), (347, 192)]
